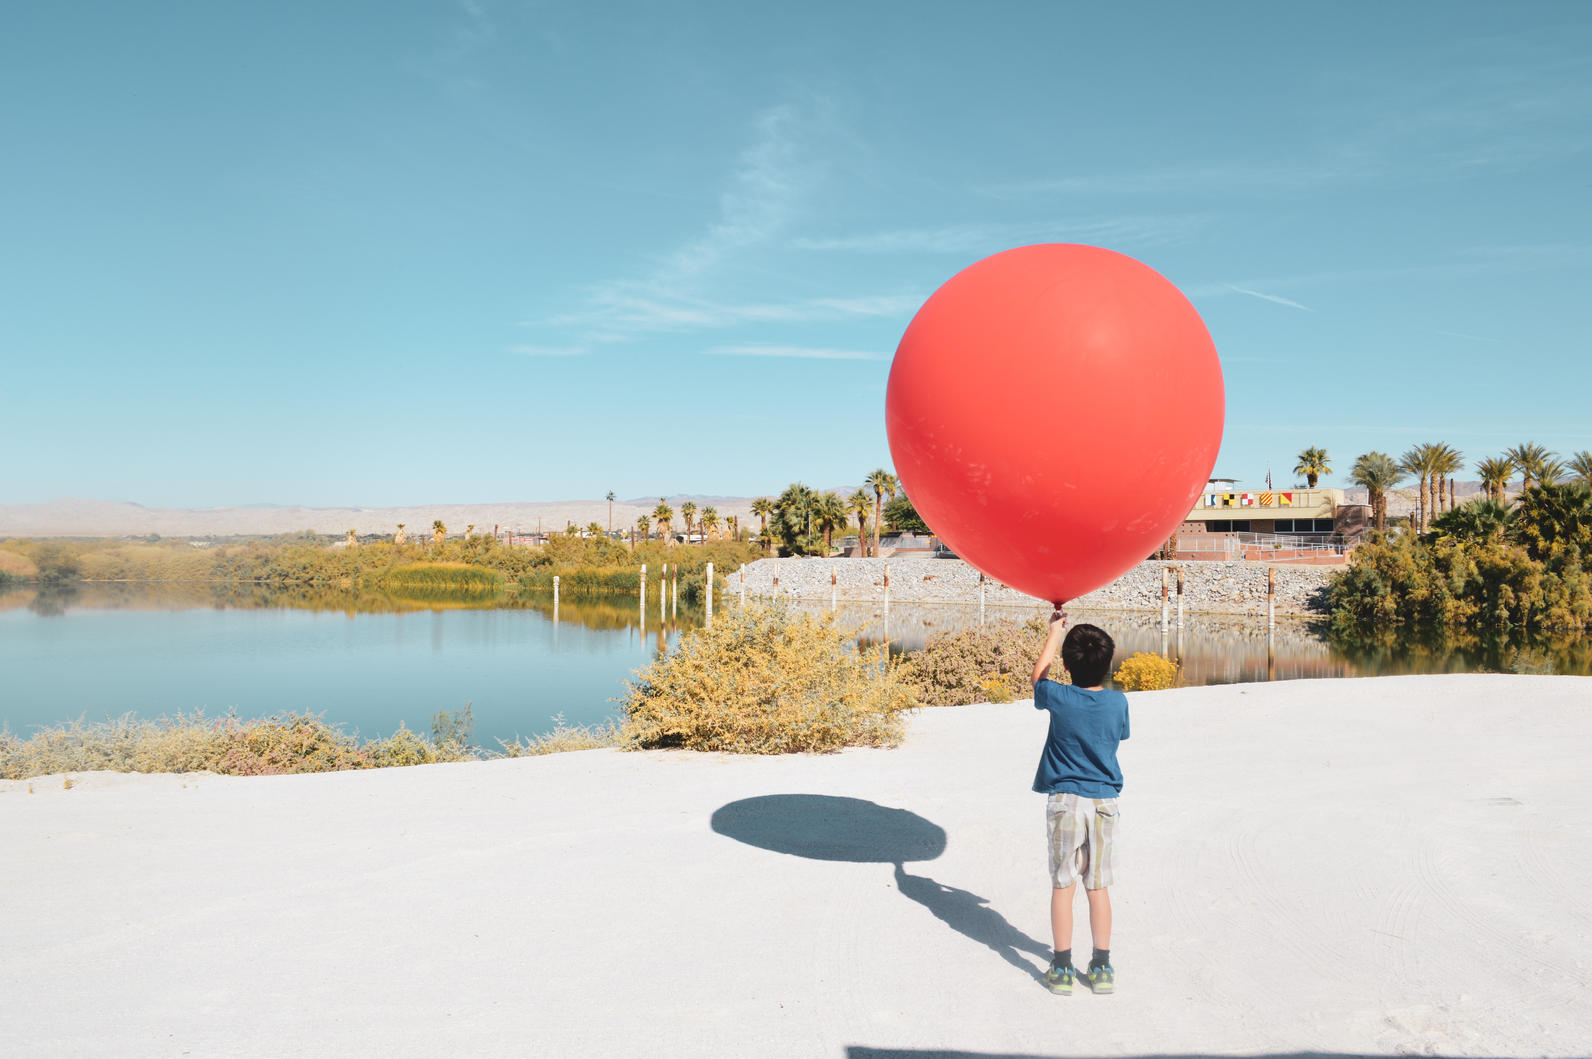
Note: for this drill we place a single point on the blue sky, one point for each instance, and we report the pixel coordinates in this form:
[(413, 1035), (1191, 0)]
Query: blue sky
[(390, 253)]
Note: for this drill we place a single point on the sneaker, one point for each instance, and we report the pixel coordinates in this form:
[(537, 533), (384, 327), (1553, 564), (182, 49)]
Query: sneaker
[(1102, 979), (1059, 980)]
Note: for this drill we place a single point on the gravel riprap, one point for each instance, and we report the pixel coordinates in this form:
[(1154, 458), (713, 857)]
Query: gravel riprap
[(1208, 587)]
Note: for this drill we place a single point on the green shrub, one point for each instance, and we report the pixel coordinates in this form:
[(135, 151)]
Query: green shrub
[(762, 680), (1142, 671), (987, 663)]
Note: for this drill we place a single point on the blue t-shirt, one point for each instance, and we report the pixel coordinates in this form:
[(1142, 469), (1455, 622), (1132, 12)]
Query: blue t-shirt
[(1080, 755)]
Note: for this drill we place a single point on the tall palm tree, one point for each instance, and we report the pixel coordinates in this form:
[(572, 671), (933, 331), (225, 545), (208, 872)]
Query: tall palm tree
[(1581, 466), (710, 523), (643, 526), (1422, 460), (1552, 470), (438, 530), (1495, 473), (763, 507), (831, 512), (1378, 472), (1313, 463), (610, 511), (688, 512), (663, 514), (1528, 458), (1447, 461), (882, 482), (732, 526), (400, 537), (859, 505)]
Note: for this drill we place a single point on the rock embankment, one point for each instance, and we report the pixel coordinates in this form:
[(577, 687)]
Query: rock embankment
[(1208, 587)]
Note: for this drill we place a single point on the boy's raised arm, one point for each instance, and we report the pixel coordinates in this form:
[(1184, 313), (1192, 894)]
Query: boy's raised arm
[(1047, 654)]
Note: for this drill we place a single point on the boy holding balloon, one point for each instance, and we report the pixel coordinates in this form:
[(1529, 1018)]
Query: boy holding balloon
[(1078, 770)]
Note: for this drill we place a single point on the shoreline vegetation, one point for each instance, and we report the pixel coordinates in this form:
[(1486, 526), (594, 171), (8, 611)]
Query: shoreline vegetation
[(766, 678)]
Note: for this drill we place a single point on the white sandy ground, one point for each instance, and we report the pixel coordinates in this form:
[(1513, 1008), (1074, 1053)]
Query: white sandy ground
[(1389, 866)]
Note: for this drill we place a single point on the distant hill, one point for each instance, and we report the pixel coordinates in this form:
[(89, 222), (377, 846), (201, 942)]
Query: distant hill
[(104, 518)]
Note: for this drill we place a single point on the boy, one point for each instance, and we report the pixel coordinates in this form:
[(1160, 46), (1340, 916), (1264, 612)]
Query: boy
[(1078, 770)]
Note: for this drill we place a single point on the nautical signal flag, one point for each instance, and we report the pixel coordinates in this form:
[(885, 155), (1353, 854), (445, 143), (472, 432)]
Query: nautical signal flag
[(1267, 499)]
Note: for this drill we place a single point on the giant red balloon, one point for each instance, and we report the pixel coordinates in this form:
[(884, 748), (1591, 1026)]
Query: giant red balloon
[(1053, 413)]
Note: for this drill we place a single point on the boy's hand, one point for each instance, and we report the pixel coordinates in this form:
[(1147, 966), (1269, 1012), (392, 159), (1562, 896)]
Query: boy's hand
[(1058, 619)]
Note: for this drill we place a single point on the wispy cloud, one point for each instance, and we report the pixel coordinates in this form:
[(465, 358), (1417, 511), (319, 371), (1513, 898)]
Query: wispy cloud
[(1276, 298), (799, 352), (986, 238), (547, 351), (621, 312)]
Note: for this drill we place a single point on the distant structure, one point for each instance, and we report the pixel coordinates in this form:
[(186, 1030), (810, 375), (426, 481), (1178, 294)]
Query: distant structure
[(400, 537), (352, 541)]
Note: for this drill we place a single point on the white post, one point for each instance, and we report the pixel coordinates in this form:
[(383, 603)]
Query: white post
[(1166, 602), (643, 587), (1180, 602), (1271, 597), (674, 593), (555, 599), (708, 595)]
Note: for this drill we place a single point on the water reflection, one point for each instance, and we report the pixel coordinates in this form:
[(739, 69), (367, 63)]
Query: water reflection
[(1224, 649)]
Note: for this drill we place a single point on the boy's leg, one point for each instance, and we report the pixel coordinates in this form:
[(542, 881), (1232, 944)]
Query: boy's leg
[(1099, 916), (1061, 916)]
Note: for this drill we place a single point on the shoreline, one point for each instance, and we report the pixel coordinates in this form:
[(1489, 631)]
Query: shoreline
[(1234, 588)]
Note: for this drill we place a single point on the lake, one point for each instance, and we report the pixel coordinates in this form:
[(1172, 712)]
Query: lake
[(369, 663)]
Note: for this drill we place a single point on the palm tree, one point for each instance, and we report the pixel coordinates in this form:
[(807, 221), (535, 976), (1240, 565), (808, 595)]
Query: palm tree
[(1552, 518), (610, 511), (1528, 458), (1378, 472), (1495, 473), (1422, 460), (1552, 470), (594, 529), (1313, 463), (438, 530), (859, 505), (882, 482), (664, 514), (710, 523), (400, 537), (643, 525), (688, 512), (830, 511), (1447, 460), (763, 507), (1581, 466), (1475, 520)]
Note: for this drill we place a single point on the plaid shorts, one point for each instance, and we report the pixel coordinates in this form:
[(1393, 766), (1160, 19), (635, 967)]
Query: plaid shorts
[(1082, 840)]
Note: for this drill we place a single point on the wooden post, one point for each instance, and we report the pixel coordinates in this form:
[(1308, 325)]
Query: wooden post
[(1180, 597), (708, 594), (1166, 603), (834, 588), (776, 577), (887, 591), (1271, 597)]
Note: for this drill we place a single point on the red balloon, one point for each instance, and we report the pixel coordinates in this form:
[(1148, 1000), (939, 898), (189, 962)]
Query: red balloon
[(1053, 413)]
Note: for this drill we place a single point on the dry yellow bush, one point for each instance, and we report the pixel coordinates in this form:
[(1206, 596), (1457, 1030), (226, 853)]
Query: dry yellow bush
[(562, 739), (762, 680), (1146, 672)]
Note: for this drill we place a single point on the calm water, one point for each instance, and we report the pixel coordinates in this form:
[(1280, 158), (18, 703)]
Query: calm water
[(370, 662)]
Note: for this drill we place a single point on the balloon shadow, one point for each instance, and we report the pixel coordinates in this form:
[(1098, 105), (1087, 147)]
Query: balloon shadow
[(824, 827)]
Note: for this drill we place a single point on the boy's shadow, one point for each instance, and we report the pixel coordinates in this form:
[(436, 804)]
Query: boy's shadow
[(823, 827)]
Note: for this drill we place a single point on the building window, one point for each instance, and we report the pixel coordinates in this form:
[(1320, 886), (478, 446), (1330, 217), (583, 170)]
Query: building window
[(1239, 525)]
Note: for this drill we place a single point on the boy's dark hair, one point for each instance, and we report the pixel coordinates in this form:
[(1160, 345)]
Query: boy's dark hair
[(1086, 652)]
